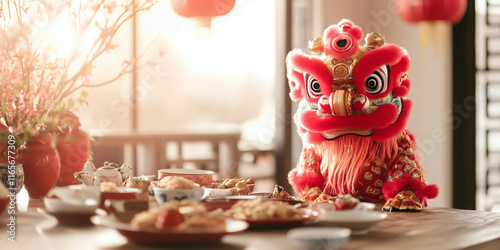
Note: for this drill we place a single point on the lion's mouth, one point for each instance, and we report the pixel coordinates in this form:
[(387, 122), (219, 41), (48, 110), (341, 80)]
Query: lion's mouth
[(334, 133)]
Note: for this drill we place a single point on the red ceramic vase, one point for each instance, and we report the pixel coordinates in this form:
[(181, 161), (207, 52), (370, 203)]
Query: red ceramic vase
[(3, 145), (73, 150), (3, 153), (41, 164)]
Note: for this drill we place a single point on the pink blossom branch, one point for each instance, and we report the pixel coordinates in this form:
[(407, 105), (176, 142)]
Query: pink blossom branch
[(37, 82), (69, 84)]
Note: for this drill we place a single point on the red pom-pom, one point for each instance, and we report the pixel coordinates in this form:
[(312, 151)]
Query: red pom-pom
[(299, 180), (423, 191)]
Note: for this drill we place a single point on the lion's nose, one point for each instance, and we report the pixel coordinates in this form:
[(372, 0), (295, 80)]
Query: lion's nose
[(338, 103)]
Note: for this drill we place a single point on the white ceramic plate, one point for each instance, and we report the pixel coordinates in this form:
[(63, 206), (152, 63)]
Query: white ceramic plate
[(358, 221)]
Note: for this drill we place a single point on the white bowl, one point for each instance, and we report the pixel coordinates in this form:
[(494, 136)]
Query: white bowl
[(77, 194), (358, 221), (56, 205), (164, 195), (319, 237)]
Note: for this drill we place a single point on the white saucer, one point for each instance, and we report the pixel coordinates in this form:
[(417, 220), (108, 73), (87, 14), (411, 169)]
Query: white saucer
[(358, 221)]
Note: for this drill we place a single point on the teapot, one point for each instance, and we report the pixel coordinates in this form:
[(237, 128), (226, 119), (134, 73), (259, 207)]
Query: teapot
[(110, 172)]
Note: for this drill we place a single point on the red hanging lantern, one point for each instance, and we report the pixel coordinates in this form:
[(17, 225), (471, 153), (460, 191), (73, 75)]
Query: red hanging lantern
[(202, 10), (432, 16), (414, 11)]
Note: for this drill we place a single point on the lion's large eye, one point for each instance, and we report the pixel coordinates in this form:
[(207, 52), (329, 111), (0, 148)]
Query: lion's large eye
[(377, 82), (312, 85)]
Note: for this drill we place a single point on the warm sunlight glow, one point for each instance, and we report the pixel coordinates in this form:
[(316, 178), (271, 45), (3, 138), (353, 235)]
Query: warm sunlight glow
[(58, 36), (61, 38), (218, 49)]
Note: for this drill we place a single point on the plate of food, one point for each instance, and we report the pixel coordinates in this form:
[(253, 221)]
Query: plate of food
[(348, 212), (260, 213), (175, 223)]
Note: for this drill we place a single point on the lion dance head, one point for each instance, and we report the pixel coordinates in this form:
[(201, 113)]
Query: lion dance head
[(345, 88)]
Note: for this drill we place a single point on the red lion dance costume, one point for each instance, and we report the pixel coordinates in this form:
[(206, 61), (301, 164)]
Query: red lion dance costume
[(352, 117)]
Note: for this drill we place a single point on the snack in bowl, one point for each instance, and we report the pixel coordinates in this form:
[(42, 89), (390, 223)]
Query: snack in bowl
[(174, 188), (201, 177), (238, 186), (176, 182), (179, 216)]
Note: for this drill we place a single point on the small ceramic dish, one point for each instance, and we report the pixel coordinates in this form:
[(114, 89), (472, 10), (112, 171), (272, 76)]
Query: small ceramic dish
[(164, 195), (57, 205), (357, 220), (69, 214), (319, 237), (76, 194)]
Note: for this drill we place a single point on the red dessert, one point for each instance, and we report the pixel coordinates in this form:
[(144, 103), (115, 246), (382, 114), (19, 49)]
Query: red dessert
[(344, 202), (169, 218)]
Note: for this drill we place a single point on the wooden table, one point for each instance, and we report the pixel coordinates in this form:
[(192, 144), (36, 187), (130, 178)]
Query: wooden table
[(434, 228)]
